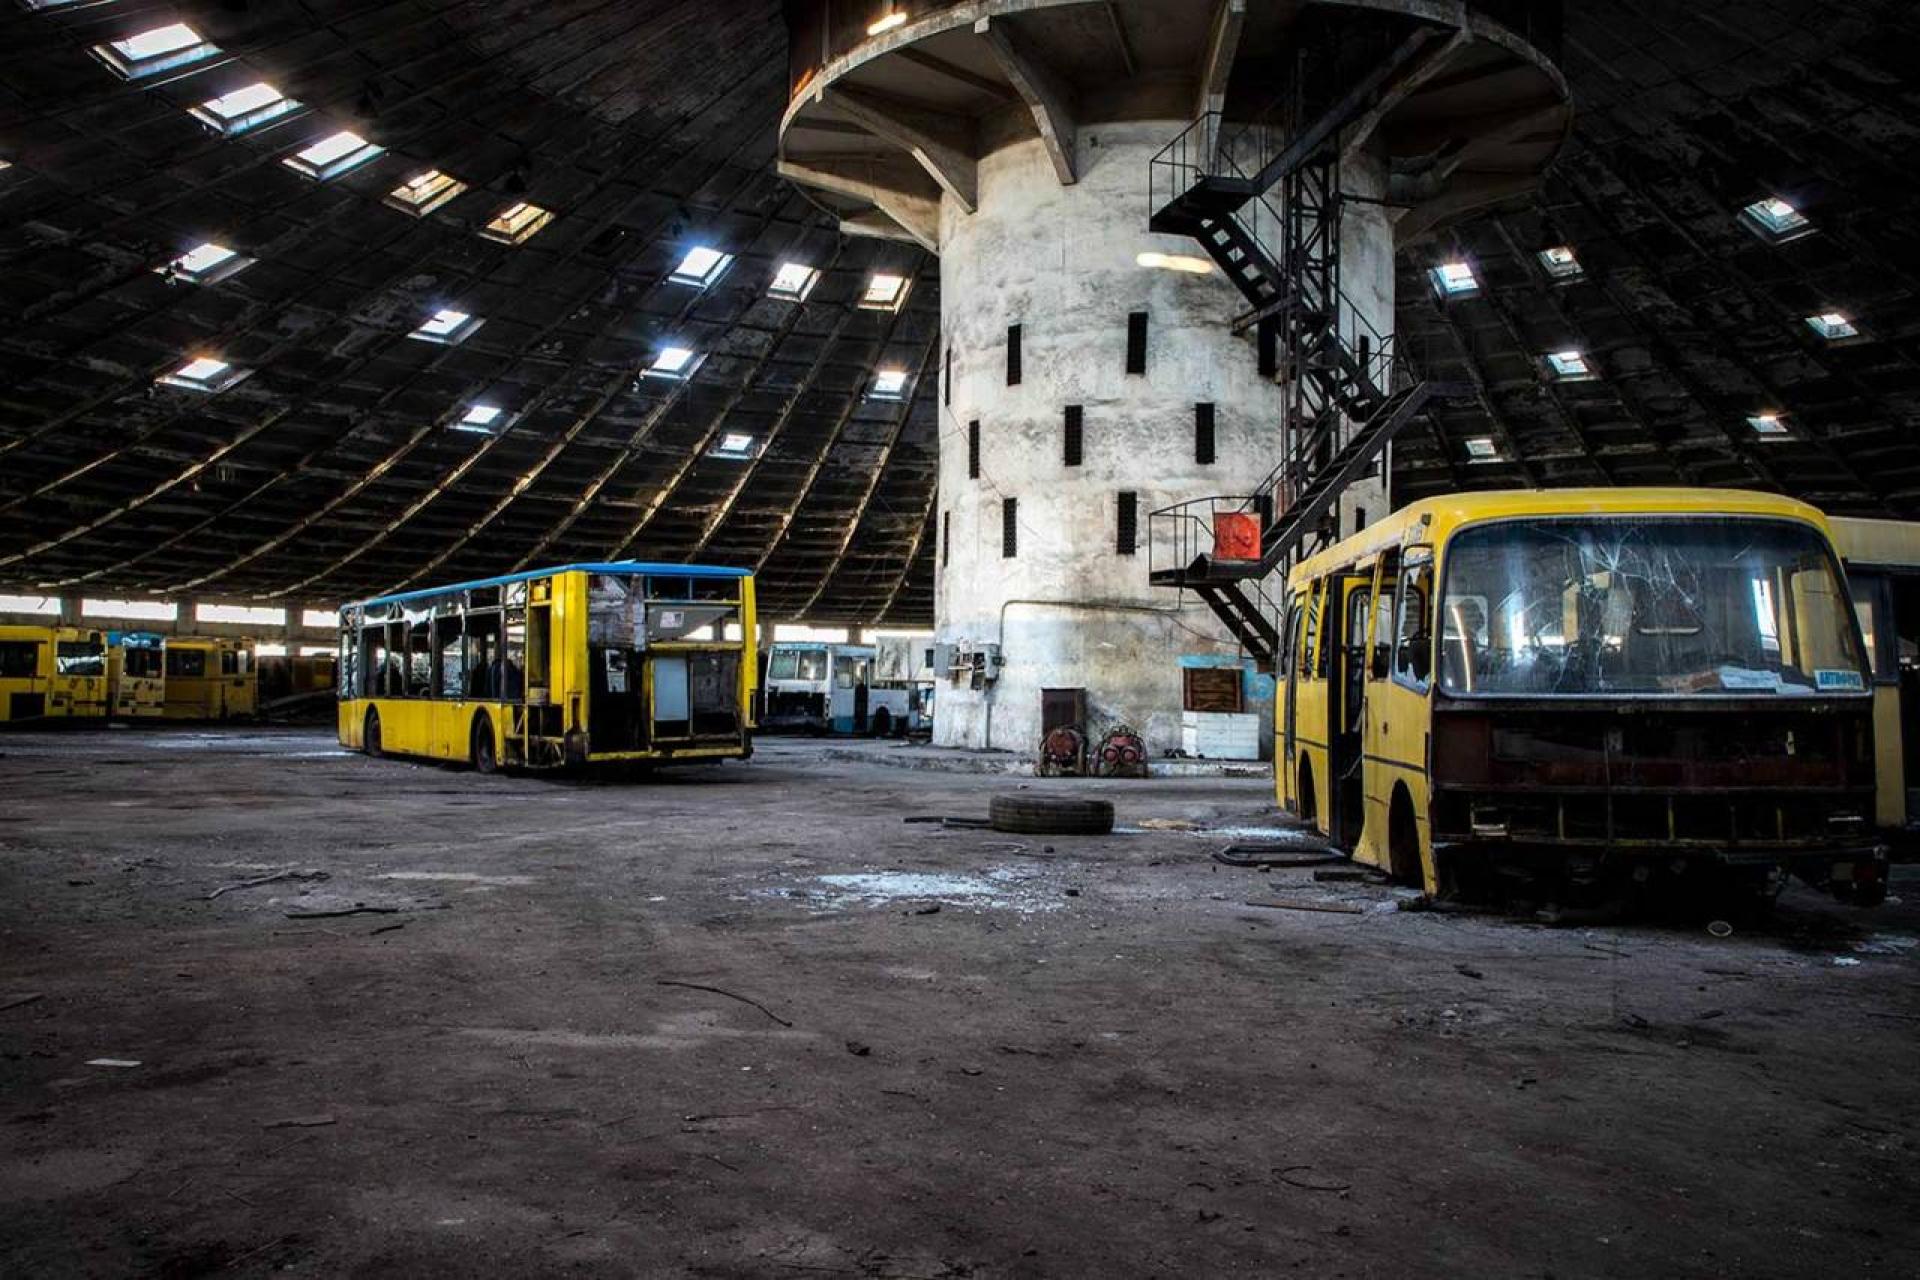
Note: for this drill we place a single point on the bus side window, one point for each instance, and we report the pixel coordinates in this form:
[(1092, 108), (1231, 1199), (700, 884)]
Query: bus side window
[(1413, 638), (1382, 662), (1289, 636), (1310, 633)]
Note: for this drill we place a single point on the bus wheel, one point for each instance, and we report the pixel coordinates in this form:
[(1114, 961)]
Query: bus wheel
[(482, 755), (370, 735), (883, 723), (1403, 839)]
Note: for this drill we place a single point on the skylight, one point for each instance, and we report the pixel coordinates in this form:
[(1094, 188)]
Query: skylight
[(1455, 280), (479, 417), (158, 49), (793, 282), (884, 292), (889, 384), (244, 109), (1775, 221), (1833, 326), (206, 263), (1560, 263), (518, 224), (447, 327), (701, 267), (1767, 424), (736, 445), (333, 155), (1569, 366), (672, 362), (203, 373), (1482, 449), (421, 194)]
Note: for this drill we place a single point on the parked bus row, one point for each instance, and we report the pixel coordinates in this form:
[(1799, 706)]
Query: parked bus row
[(838, 688), (1602, 686), (75, 675)]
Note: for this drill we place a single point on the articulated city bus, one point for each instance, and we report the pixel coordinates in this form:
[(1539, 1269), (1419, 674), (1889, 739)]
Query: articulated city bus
[(136, 675), (209, 678), (52, 674), (833, 688), (583, 663), (1883, 572), (1576, 684)]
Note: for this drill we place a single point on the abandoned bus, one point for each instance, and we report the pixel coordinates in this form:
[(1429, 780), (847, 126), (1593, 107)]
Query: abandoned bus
[(209, 678), (136, 675), (1562, 684), (1882, 558), (52, 674), (573, 665), (831, 688)]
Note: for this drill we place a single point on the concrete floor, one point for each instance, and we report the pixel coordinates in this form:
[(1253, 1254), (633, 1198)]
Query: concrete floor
[(1094, 1061)]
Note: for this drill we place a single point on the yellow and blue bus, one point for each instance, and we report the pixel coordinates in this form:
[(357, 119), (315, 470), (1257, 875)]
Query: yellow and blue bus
[(1590, 687), (578, 664), (52, 674), (136, 675)]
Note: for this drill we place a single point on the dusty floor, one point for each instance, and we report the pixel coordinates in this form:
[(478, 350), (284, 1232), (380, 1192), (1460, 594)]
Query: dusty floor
[(1096, 1061)]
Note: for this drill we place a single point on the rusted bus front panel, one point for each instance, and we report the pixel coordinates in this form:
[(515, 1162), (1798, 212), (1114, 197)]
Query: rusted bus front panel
[(1645, 776)]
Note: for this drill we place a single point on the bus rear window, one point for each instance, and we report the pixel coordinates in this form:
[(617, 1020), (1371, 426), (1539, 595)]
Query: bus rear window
[(19, 659)]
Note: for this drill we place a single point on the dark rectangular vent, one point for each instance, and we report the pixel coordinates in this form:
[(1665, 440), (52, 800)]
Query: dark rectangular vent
[(1137, 342), (1268, 339), (1127, 529), (946, 537), (973, 450), (1013, 355), (1203, 434), (946, 396), (1071, 442), (1009, 527)]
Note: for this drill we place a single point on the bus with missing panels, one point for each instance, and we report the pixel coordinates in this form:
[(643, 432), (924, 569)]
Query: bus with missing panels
[(52, 674), (1591, 688), (209, 678), (574, 665)]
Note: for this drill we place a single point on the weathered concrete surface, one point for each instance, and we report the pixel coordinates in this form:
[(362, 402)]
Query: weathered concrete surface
[(1091, 1062)]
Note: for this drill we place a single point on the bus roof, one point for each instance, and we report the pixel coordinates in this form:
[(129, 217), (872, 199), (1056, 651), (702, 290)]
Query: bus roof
[(1440, 516), (628, 567)]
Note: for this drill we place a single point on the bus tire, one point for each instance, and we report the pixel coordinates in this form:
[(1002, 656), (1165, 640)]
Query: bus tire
[(480, 752), (882, 723), (1403, 840), (1050, 816), (370, 735)]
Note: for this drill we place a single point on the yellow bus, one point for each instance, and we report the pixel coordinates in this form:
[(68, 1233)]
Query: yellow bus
[(136, 675), (1575, 686), (1883, 571), (52, 674), (619, 661), (209, 678)]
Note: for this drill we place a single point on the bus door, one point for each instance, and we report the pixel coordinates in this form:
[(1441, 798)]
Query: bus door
[(1293, 635), (1377, 767), (1350, 602), (672, 696)]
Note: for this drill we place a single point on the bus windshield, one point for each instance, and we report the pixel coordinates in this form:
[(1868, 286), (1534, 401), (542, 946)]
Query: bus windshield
[(797, 664), (1597, 605)]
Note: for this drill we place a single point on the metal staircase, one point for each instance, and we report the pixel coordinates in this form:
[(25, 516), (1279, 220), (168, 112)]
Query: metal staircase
[(1349, 392)]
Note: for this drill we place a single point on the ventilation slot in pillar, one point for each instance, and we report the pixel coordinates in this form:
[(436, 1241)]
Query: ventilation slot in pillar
[(1013, 355), (1137, 342), (1203, 434), (1126, 531), (1009, 527), (946, 394), (946, 538), (973, 450), (1071, 440)]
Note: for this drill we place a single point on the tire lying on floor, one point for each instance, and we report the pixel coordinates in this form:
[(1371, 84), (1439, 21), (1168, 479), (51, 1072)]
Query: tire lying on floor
[(1050, 816)]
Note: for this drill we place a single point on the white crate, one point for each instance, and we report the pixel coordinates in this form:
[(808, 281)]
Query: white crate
[(1219, 735)]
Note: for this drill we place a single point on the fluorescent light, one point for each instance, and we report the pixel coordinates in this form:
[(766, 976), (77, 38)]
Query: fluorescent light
[(1174, 262), (894, 19), (701, 267), (793, 281)]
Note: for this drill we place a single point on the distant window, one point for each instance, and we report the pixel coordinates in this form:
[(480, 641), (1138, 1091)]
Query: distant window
[(1203, 450), (155, 50), (517, 223), (1009, 527), (1073, 441), (47, 605), (793, 282), (973, 450), (480, 417), (1126, 533), (19, 659), (333, 155), (701, 267), (425, 192), (884, 292), (244, 109), (145, 610), (206, 263), (1137, 342), (447, 327), (1013, 355), (673, 362), (256, 615), (890, 384)]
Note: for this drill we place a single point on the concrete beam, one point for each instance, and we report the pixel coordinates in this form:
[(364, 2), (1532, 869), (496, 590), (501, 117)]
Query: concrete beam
[(1466, 193), (881, 225), (942, 144), (1046, 95), (917, 214), (1216, 65), (1422, 70)]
